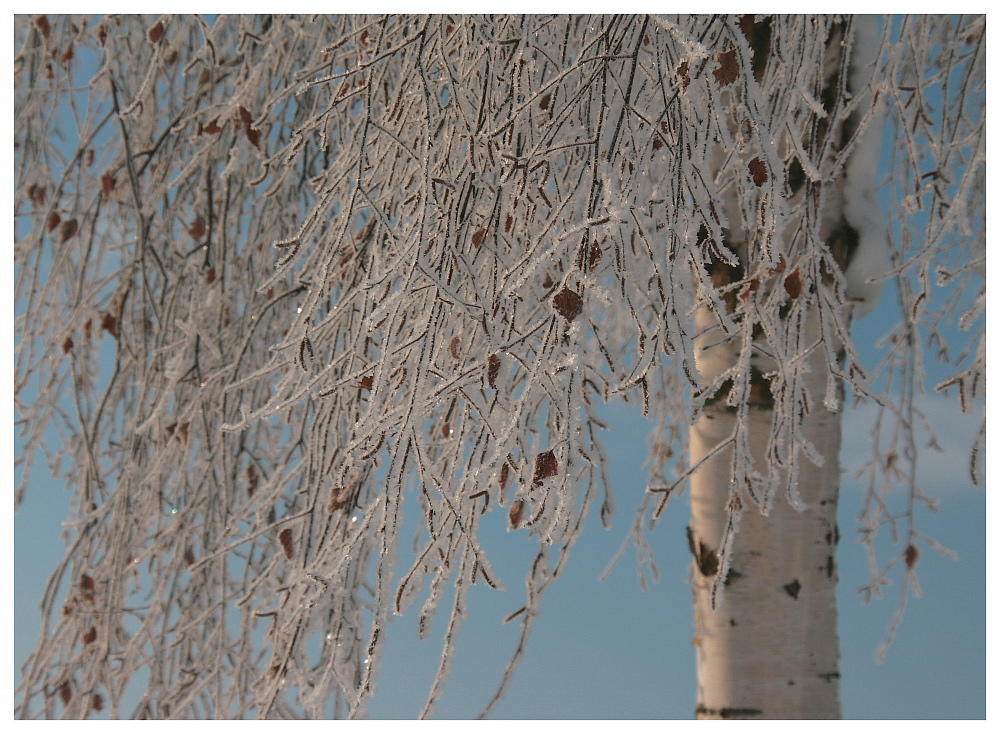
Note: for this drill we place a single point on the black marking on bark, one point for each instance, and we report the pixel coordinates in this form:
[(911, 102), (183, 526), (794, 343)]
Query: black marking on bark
[(829, 677), (793, 588), (830, 567), (705, 558), (728, 713), (732, 622)]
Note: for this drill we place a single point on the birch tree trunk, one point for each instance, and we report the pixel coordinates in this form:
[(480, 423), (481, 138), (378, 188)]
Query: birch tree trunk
[(766, 623), (769, 648)]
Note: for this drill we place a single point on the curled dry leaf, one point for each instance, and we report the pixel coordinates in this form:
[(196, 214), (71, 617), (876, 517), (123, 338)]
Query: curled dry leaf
[(89, 636), (504, 475), (478, 237), (53, 221), (66, 692), (67, 344), (911, 556)]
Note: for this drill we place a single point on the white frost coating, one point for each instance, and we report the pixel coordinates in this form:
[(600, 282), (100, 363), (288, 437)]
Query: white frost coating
[(861, 204)]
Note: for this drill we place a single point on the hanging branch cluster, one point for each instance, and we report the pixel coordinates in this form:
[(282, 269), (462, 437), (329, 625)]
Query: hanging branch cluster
[(278, 279)]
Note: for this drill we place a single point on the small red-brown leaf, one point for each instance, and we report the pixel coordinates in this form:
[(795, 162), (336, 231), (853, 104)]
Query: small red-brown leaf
[(728, 70), (189, 558), (911, 556), (548, 282), (42, 23), (251, 479), (156, 32), (89, 636), (54, 220), (364, 38), (544, 101), (210, 276), (212, 128), (107, 184), (197, 229), (752, 287), (340, 497), (205, 77), (684, 72), (67, 344), (171, 56), (244, 114), (545, 466), (287, 543), (516, 514), (96, 702), (87, 328), (504, 475), (758, 169), (110, 324), (478, 237), (66, 692), (567, 303), (253, 135), (508, 223), (182, 432), (37, 194), (86, 584), (793, 283), (780, 267), (493, 370), (49, 73), (366, 382), (657, 142), (67, 54), (67, 229), (453, 347), (102, 34)]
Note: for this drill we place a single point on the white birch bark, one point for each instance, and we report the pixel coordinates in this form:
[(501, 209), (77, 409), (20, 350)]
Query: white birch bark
[(769, 649)]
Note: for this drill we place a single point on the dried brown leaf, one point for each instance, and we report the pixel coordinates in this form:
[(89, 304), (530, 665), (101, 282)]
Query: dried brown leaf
[(729, 69), (567, 303), (156, 32), (545, 466), (287, 543), (67, 229), (793, 283), (758, 170), (493, 370)]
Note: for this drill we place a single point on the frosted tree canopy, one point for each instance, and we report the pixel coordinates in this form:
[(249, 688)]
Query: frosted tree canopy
[(280, 280)]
